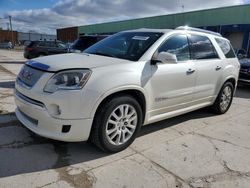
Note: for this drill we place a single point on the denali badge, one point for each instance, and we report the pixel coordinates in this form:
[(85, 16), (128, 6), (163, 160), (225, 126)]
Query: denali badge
[(25, 74)]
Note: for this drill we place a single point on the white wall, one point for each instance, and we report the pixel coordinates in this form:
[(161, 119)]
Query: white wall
[(34, 36)]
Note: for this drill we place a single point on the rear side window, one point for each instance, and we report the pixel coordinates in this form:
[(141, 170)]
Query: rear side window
[(226, 48), (84, 42), (31, 44), (202, 48), (177, 45), (41, 44)]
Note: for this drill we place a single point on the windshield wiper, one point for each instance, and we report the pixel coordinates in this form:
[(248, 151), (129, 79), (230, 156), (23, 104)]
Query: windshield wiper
[(103, 54)]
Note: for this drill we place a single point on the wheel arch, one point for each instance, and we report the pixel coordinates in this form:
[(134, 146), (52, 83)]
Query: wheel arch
[(135, 92), (231, 79)]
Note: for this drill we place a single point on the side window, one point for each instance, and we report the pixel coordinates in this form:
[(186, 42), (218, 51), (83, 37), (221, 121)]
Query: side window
[(202, 48), (40, 44), (225, 47), (52, 44), (61, 45), (177, 45)]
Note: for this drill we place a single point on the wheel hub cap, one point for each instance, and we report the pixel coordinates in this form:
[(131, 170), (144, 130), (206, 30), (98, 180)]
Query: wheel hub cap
[(121, 124), (226, 98)]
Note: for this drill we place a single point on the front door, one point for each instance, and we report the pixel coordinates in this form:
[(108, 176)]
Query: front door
[(172, 85)]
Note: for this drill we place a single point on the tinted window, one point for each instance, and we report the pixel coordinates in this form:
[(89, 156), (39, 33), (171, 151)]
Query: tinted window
[(125, 45), (61, 45), (44, 44), (202, 48), (51, 44), (226, 48), (31, 44), (177, 45), (41, 44), (83, 42)]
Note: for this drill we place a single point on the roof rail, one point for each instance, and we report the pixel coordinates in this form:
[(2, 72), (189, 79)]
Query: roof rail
[(198, 30)]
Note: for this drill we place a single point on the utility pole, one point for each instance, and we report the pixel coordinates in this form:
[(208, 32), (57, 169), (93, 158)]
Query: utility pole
[(183, 8), (12, 39), (181, 5)]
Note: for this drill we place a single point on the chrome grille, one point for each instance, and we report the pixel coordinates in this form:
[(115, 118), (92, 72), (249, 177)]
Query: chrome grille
[(28, 76), (32, 101)]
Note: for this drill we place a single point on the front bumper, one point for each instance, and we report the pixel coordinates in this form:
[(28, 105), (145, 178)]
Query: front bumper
[(38, 120)]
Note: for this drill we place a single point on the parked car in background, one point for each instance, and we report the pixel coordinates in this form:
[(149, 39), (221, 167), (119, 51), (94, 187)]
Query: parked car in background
[(83, 42), (6, 45), (130, 79), (244, 76), (241, 53), (43, 48)]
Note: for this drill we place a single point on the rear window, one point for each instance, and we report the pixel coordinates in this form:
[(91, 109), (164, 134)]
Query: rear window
[(226, 48), (202, 48), (41, 44), (31, 44)]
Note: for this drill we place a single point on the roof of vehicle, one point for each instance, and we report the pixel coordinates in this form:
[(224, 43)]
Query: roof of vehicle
[(83, 36), (191, 29), (150, 30), (186, 28)]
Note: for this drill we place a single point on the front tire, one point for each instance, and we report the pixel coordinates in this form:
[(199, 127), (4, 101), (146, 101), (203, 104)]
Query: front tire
[(116, 124), (224, 99)]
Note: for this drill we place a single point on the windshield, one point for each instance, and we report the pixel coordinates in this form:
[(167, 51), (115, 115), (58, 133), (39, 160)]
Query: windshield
[(61, 45), (126, 45)]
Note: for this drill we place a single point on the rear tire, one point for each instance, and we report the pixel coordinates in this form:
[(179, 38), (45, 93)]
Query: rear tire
[(116, 124), (224, 99)]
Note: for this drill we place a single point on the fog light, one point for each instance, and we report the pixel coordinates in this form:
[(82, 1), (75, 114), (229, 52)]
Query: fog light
[(66, 128), (54, 109)]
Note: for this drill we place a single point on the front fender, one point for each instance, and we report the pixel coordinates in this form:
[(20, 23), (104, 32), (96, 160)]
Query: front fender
[(116, 90)]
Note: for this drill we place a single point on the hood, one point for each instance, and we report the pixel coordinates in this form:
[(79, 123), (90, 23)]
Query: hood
[(73, 61), (245, 63)]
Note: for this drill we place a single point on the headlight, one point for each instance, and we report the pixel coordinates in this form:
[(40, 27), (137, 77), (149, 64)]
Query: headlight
[(67, 80)]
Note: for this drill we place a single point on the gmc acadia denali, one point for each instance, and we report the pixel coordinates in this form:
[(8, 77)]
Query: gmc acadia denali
[(127, 80)]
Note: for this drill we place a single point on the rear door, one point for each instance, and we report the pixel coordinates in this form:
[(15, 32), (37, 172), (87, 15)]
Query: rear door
[(208, 65)]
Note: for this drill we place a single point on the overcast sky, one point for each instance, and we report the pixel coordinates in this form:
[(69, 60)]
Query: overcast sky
[(45, 16)]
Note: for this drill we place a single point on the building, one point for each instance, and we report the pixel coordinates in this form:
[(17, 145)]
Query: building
[(67, 34), (232, 22), (6, 36), (22, 37)]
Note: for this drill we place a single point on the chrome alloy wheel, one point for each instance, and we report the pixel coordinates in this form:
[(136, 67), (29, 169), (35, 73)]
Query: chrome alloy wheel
[(121, 124), (226, 98)]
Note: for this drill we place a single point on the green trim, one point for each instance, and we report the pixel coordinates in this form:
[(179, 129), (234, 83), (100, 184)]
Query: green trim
[(211, 17)]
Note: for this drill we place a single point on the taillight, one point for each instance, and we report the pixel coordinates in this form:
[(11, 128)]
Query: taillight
[(29, 49)]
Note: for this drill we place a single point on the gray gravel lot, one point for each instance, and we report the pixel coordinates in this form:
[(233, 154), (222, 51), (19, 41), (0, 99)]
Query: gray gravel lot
[(198, 149)]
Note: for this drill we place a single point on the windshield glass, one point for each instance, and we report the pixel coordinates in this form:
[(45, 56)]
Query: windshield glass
[(126, 45)]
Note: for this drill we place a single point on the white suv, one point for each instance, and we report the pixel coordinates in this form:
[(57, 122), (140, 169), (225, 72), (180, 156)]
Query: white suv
[(130, 79)]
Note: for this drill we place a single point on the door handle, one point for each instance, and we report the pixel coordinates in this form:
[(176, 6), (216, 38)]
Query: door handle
[(218, 68), (190, 71)]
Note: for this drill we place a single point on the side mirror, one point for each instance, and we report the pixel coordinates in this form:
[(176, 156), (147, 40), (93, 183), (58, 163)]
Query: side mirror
[(164, 57)]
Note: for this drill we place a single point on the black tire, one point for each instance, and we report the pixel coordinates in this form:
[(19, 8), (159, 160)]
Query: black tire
[(98, 133), (217, 104)]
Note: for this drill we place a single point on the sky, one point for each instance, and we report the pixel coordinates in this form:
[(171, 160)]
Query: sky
[(45, 16)]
